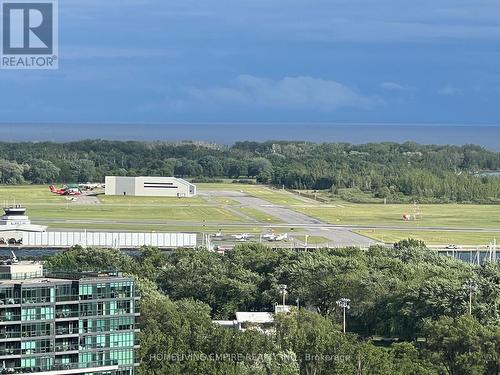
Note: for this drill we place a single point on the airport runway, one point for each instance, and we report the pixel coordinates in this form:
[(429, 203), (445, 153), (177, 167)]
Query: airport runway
[(314, 227)]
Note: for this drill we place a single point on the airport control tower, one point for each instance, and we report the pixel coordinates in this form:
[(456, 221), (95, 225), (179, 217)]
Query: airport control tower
[(14, 222)]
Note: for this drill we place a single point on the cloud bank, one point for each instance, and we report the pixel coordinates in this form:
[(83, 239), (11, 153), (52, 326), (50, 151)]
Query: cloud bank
[(293, 93)]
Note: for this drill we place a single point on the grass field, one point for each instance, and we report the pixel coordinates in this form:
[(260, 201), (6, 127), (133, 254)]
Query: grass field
[(134, 212), (445, 215), (28, 194), (164, 201), (44, 205), (312, 240), (206, 213), (432, 237)]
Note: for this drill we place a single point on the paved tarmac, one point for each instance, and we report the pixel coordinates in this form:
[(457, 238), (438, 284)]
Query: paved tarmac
[(335, 236)]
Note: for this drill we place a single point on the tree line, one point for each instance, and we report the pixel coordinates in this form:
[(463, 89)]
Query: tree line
[(391, 171), (415, 301)]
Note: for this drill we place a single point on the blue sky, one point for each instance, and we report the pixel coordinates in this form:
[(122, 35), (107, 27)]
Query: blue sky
[(171, 61)]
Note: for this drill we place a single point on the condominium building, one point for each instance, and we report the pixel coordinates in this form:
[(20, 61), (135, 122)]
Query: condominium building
[(66, 323)]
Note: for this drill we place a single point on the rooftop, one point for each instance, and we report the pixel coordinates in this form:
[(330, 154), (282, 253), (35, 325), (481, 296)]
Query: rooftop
[(15, 271)]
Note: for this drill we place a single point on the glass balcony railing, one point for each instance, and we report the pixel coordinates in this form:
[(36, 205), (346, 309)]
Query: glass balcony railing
[(36, 333), (67, 314), (9, 351), (9, 318), (57, 367), (10, 334), (9, 301), (66, 347), (67, 331)]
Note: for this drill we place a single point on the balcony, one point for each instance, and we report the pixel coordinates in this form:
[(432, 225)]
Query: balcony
[(66, 331), (9, 301), (10, 318), (10, 335), (66, 347)]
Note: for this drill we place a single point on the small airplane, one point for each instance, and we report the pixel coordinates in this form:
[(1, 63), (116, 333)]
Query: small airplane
[(91, 186), (269, 235), (241, 237), (218, 234), (65, 190), (276, 237)]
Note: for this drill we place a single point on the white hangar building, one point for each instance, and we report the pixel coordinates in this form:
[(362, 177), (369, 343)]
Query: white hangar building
[(149, 186)]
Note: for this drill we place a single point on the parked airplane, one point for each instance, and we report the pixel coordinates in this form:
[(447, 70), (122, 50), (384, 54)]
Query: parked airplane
[(276, 237), (91, 186), (241, 237), (218, 235), (65, 190)]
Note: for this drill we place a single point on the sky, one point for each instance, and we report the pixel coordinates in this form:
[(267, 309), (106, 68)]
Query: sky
[(266, 61)]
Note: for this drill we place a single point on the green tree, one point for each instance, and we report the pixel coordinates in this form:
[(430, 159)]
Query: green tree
[(41, 172)]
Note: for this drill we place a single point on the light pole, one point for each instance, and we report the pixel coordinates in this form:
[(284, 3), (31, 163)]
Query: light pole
[(471, 286), (343, 303)]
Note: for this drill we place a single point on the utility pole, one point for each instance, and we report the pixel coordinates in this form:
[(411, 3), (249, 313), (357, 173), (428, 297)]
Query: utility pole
[(471, 286), (343, 303)]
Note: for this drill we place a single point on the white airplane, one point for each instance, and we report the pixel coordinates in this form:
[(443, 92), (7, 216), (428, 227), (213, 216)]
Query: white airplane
[(217, 236), (268, 236), (241, 237), (91, 186), (280, 237)]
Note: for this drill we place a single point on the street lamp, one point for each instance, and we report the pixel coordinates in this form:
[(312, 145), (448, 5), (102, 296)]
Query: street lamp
[(343, 303), (471, 286)]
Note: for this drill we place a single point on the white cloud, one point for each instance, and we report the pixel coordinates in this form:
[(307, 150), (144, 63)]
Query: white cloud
[(393, 86), (450, 91), (294, 93)]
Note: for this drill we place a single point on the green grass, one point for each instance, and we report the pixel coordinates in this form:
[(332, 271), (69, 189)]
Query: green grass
[(168, 201), (445, 215), (432, 237), (134, 212), (28, 194), (44, 205), (312, 240)]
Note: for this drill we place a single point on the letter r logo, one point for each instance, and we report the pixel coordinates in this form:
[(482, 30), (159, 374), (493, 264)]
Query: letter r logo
[(27, 28)]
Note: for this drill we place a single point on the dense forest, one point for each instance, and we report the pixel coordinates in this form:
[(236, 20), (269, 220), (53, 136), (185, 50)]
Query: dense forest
[(382, 170), (414, 299)]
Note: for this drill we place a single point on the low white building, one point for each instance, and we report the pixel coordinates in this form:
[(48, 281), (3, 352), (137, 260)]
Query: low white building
[(251, 320), (149, 186), (14, 222)]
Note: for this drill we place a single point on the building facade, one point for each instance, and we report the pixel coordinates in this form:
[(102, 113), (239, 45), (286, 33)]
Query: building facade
[(14, 222), (61, 324), (149, 186)]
